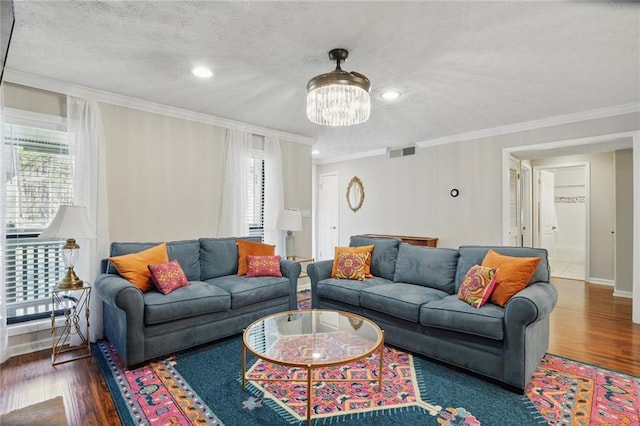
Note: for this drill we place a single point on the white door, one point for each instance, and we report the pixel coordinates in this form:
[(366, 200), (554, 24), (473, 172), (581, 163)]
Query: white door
[(328, 231), (514, 201), (526, 224), (547, 208)]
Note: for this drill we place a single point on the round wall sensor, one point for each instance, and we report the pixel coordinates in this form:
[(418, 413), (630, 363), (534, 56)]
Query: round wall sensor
[(454, 192)]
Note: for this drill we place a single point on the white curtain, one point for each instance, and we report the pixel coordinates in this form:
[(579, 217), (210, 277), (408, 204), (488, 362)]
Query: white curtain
[(273, 193), (90, 190), (235, 204), (4, 337)]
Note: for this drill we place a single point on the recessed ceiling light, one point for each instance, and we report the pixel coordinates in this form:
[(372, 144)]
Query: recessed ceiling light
[(390, 95), (202, 72), (315, 152)]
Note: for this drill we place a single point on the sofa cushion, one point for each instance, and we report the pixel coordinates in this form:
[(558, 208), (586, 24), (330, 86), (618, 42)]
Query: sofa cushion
[(399, 299), (477, 285), (351, 266), (187, 252), (383, 258), (472, 255), (427, 266), (247, 291), (363, 249), (263, 266), (134, 266), (219, 256), (168, 276), (451, 313), (195, 299), (513, 274), (347, 291), (251, 248)]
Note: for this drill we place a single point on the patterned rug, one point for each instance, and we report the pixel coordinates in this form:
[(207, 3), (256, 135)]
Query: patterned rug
[(203, 386)]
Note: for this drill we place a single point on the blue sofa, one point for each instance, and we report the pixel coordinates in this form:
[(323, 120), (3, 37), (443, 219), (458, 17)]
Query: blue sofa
[(413, 297), (216, 303)]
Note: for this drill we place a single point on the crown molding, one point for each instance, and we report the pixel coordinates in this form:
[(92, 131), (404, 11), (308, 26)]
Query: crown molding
[(348, 157), (535, 124), (66, 88)]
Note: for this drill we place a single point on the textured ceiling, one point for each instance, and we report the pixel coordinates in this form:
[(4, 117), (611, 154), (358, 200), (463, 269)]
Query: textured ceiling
[(460, 66)]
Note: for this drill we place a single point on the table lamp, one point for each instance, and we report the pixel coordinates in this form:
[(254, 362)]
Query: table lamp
[(289, 220), (69, 220)]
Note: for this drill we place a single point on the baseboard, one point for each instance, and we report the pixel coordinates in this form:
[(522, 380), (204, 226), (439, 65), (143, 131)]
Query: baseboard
[(29, 347), (612, 283), (622, 293)]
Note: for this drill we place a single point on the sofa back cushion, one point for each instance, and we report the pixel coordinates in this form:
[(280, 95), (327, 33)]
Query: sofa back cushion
[(427, 266), (384, 256), (219, 256), (186, 252), (472, 255)]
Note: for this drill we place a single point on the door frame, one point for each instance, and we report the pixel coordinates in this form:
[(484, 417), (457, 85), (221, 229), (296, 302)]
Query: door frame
[(587, 214)]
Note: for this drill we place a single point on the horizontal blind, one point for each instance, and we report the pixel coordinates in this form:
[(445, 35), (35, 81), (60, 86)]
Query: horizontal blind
[(38, 171), (256, 196)]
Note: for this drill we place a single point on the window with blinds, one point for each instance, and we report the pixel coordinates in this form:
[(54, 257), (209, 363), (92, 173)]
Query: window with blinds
[(38, 179), (256, 196)]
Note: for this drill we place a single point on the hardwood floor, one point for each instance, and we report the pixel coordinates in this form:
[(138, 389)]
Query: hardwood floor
[(588, 325)]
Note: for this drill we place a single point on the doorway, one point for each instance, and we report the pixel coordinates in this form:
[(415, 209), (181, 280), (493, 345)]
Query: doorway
[(561, 218)]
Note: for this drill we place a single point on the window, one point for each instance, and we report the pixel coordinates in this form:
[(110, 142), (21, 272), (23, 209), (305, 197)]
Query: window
[(256, 195), (38, 171)]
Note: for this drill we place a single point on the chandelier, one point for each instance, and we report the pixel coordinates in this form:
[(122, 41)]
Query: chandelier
[(338, 98)]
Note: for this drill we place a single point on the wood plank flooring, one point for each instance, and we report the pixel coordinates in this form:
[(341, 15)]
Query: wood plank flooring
[(588, 325)]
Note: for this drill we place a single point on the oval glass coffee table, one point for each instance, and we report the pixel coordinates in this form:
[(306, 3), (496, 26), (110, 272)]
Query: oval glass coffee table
[(312, 339)]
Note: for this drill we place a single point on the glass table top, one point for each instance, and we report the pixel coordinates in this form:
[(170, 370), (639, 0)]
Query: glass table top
[(315, 337)]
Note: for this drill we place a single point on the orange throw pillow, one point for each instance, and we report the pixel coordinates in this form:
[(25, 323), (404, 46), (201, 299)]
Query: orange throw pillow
[(252, 248), (134, 266), (361, 249), (513, 274)]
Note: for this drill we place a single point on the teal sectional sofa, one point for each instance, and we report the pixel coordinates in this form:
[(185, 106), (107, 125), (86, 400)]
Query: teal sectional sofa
[(216, 303), (413, 297)]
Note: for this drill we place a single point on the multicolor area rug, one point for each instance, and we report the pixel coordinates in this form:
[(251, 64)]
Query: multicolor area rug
[(203, 386)]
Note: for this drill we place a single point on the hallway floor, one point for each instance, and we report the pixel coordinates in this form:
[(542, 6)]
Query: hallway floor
[(568, 270)]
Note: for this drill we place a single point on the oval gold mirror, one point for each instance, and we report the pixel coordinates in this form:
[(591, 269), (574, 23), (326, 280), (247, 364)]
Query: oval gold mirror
[(355, 194)]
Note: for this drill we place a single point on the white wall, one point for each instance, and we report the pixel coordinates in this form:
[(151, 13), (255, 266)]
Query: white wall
[(410, 195)]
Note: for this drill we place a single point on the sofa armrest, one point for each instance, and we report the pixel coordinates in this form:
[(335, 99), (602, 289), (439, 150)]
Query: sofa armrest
[(123, 316), (317, 272), (531, 304), (118, 292), (291, 270)]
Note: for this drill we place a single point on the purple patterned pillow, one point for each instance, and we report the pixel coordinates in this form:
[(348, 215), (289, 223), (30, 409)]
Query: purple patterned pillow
[(168, 276), (263, 266), (477, 285)]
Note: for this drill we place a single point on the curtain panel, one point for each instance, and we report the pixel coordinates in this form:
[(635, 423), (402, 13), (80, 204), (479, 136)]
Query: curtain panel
[(87, 145)]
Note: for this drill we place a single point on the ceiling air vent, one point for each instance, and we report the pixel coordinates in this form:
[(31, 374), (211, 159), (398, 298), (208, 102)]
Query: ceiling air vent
[(402, 152)]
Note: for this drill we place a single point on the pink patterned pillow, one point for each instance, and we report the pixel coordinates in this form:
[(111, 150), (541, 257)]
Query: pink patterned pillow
[(477, 285), (263, 266), (168, 276)]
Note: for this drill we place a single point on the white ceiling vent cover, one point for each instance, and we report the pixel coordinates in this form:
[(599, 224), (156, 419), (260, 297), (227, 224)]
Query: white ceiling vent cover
[(402, 152)]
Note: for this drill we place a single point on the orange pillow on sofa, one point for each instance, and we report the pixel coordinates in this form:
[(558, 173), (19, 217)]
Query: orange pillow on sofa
[(134, 267), (361, 249), (513, 274), (252, 248)]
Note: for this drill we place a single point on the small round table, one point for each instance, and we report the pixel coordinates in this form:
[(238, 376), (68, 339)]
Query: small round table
[(312, 339)]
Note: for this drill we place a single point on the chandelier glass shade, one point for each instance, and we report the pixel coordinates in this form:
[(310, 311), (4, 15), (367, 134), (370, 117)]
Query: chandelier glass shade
[(338, 98)]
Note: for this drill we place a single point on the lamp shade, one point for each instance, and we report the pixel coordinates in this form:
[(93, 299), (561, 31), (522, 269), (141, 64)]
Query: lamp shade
[(69, 222), (289, 220)]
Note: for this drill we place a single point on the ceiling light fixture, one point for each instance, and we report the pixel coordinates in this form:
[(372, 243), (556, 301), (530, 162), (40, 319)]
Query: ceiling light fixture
[(390, 95), (338, 98), (202, 72)]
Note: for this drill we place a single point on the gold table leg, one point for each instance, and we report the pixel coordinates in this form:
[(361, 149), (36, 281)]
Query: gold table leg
[(309, 373), (244, 361), (381, 362)]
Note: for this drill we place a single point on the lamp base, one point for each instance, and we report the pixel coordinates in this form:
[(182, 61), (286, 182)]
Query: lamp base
[(290, 246), (70, 280)]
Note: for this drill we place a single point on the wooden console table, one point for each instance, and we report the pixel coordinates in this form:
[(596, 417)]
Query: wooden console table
[(416, 241)]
